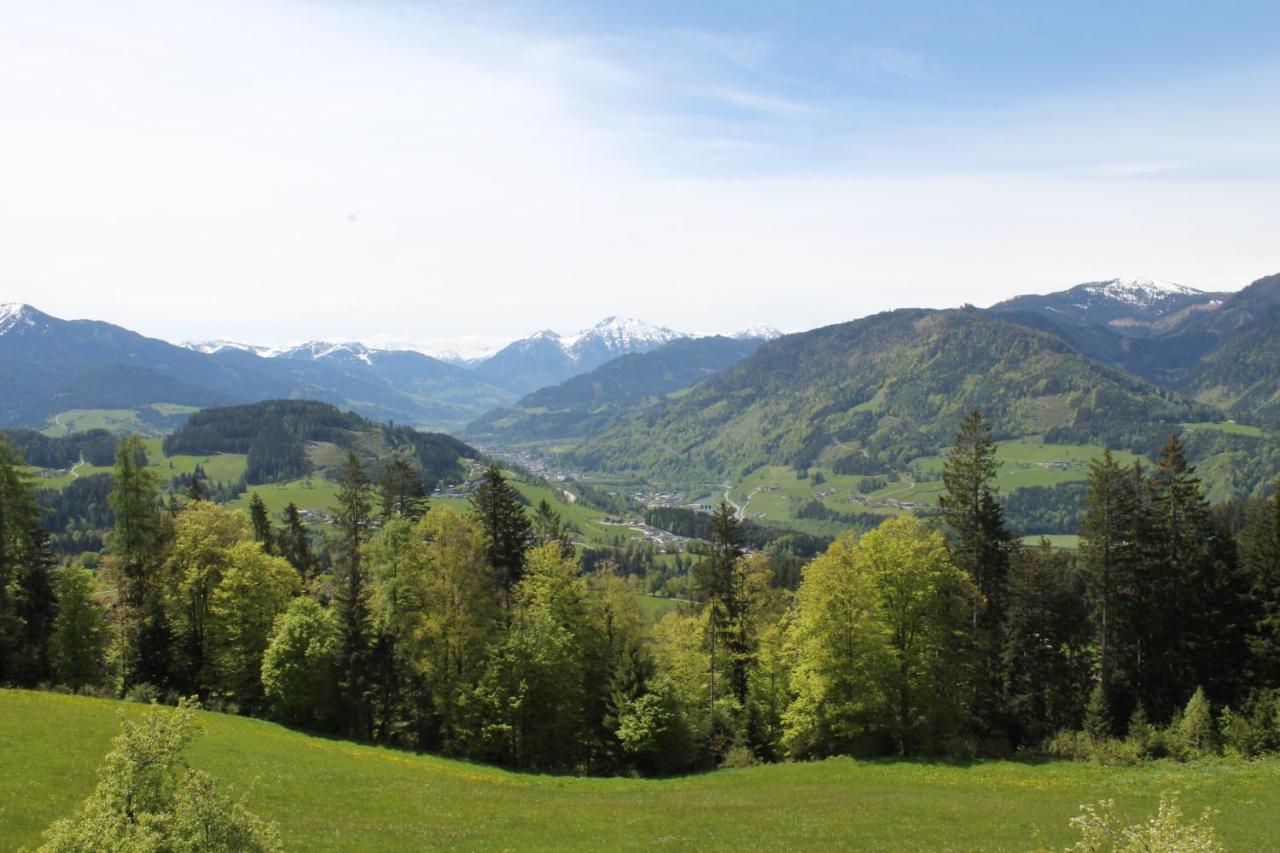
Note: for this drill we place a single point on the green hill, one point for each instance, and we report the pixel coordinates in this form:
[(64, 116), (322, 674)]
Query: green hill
[(333, 795), (869, 396), (588, 403)]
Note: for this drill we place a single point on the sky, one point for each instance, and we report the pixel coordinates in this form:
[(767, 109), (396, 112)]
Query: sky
[(453, 175)]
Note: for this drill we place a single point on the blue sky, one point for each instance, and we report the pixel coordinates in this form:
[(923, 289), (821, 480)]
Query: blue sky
[(457, 174)]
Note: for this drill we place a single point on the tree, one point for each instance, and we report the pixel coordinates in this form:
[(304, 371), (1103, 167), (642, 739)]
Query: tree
[(403, 492), (295, 543), (1110, 554), (204, 536), (717, 577), (496, 505), (137, 543), (1260, 563), (351, 601), (533, 695), (147, 798), (79, 630), (1045, 662), (980, 544), (877, 639), (254, 589), (549, 528), (300, 666), (19, 515), (261, 522)]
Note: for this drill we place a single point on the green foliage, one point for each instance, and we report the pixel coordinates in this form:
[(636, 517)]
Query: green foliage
[(876, 638), (79, 636), (147, 799), (300, 665)]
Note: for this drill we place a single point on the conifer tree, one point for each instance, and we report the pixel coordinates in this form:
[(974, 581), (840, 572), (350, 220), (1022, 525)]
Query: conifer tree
[(351, 600), (980, 544), (549, 528), (508, 533), (403, 492), (295, 543), (23, 565), (1110, 553), (261, 521), (717, 587), (1260, 563), (145, 640)]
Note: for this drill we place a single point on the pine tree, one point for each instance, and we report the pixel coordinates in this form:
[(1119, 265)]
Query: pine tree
[(1109, 548), (196, 490), (549, 528), (145, 639), (716, 577), (403, 492), (980, 544), (351, 600), (508, 533), (261, 521), (295, 543), (1260, 564), (21, 548)]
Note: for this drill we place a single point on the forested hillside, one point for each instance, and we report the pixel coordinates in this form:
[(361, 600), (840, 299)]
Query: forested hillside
[(878, 392), (587, 404), (277, 436)]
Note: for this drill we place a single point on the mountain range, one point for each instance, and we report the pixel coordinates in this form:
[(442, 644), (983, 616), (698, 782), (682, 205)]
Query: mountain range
[(49, 365)]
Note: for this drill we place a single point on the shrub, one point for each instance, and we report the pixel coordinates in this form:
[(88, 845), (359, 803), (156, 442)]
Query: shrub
[(1103, 831)]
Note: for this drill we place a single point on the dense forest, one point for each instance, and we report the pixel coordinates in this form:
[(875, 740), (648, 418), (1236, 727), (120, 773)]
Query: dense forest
[(481, 635)]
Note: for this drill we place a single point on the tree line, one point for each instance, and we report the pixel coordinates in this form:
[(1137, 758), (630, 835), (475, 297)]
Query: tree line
[(479, 635)]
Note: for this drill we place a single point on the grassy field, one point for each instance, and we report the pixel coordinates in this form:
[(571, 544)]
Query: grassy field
[(332, 795), (776, 493), (219, 467), (315, 493), (119, 421)]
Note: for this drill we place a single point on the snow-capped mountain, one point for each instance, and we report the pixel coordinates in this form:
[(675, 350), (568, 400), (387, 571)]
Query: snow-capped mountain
[(215, 346), (15, 315), (757, 333), (1137, 307)]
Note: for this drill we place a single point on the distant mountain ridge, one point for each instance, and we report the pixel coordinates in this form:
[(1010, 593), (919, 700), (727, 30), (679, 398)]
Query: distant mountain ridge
[(1133, 306), (587, 403)]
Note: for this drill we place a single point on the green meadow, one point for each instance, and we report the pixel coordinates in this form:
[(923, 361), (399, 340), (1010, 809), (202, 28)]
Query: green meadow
[(776, 493), (334, 795)]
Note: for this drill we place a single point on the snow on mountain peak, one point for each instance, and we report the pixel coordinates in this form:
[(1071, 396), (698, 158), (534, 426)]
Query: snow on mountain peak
[(618, 333), (757, 333), (14, 315), (210, 347), (1138, 291)]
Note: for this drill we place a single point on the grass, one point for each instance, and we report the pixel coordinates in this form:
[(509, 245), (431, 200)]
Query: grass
[(1061, 541), (119, 421), (775, 493), (219, 467), (315, 493), (653, 607), (1230, 427), (333, 795)]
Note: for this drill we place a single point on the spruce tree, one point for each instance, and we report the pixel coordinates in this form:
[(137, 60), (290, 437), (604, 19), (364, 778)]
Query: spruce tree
[(145, 639), (508, 533), (21, 546), (549, 528), (295, 543), (1110, 560), (979, 542), (1260, 564), (351, 599), (403, 492), (261, 521), (980, 545), (716, 576)]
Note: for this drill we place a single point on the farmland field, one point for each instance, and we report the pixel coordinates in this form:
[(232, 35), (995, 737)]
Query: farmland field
[(333, 795)]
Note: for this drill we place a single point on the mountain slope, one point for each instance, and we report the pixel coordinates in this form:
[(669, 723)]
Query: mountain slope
[(587, 403), (1135, 307), (1242, 371), (547, 358), (49, 365), (878, 392)]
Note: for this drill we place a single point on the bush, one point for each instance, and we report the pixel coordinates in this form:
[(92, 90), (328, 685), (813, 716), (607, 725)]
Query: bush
[(1102, 830), (144, 694)]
